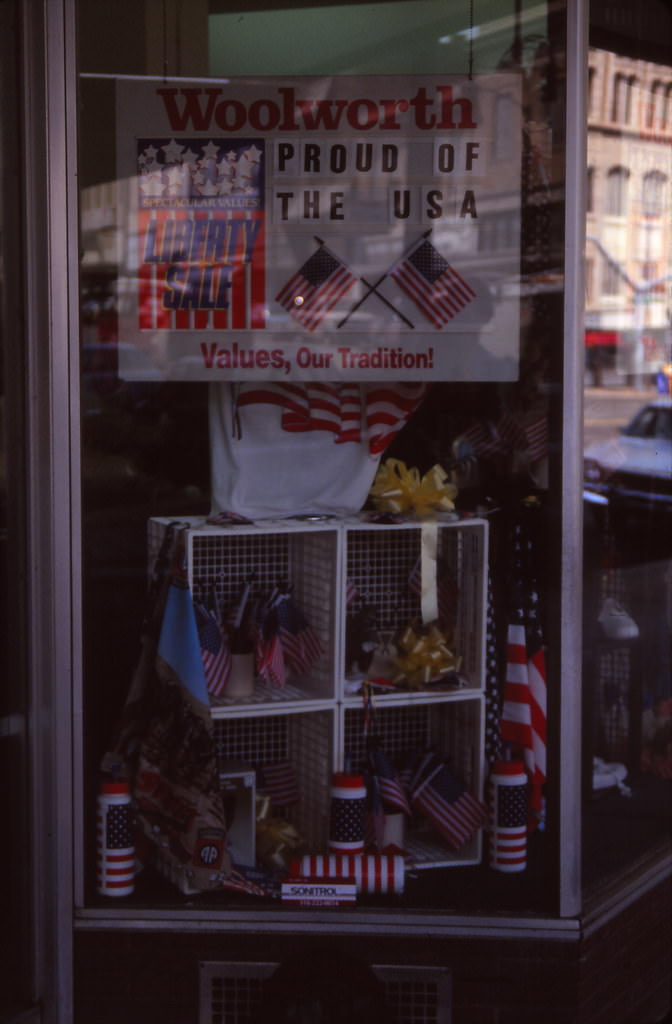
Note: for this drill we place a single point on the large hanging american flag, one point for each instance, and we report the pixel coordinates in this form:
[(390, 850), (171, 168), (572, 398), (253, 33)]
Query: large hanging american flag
[(436, 288), (523, 723), (315, 288)]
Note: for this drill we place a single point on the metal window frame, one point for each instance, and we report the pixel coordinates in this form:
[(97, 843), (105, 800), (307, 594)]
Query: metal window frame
[(52, 441), (55, 637)]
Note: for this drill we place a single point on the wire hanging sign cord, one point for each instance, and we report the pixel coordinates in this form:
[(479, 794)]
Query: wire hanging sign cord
[(471, 39), (164, 40)]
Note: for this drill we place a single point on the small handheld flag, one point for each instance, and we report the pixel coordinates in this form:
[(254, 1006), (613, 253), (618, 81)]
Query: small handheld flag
[(315, 288), (436, 288)]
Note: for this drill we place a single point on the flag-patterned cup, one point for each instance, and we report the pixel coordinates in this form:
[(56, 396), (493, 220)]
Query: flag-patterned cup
[(508, 816), (348, 814), (115, 850)]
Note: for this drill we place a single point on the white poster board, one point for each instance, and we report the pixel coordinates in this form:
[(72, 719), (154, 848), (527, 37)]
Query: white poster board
[(319, 229)]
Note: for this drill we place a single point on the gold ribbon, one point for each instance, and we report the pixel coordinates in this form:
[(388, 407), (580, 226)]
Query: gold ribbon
[(429, 598), (424, 656), (398, 490), (278, 842)]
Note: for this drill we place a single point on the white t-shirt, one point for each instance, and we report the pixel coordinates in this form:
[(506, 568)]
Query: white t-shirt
[(300, 449)]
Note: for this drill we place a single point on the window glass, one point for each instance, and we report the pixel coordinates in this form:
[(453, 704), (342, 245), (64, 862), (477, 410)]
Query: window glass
[(321, 297), (628, 455)]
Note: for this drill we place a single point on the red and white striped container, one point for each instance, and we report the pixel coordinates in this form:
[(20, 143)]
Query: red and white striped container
[(348, 814), (379, 873), (115, 850), (508, 805)]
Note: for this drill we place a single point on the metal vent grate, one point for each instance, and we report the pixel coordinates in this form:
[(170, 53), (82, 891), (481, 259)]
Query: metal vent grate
[(230, 993)]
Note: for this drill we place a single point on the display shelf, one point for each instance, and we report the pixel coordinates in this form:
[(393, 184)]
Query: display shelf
[(313, 725), (382, 571), (220, 560), (306, 742), (454, 730)]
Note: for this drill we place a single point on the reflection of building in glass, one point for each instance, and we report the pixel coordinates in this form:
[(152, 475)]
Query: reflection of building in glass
[(629, 199)]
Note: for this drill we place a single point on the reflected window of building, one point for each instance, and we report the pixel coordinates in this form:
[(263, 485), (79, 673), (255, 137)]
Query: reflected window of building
[(666, 110), (653, 105), (622, 98), (616, 192), (611, 279), (654, 186), (628, 447)]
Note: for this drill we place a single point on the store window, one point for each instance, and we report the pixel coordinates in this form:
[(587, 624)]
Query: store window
[(628, 477), (321, 352)]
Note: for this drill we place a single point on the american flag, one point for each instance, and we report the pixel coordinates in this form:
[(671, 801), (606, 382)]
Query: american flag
[(439, 292), (279, 782), (391, 791), (269, 655), (523, 723), (315, 288), (512, 432), (214, 650), (371, 413), (385, 793), (454, 812), (301, 644)]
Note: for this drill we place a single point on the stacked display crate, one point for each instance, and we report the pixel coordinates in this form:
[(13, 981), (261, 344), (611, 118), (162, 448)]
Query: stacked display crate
[(317, 721)]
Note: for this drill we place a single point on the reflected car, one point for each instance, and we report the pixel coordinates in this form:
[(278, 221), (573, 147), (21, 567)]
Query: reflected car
[(633, 471)]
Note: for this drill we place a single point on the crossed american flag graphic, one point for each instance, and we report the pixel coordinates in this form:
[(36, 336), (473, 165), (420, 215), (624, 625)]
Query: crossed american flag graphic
[(436, 288)]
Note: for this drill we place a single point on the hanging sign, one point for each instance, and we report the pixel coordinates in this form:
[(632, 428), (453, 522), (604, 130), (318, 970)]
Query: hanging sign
[(345, 228)]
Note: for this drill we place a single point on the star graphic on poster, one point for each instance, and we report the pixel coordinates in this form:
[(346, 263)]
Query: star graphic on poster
[(152, 184), (199, 178), (231, 156), (189, 157), (173, 151), (209, 189), (175, 175), (210, 151), (149, 154), (253, 155)]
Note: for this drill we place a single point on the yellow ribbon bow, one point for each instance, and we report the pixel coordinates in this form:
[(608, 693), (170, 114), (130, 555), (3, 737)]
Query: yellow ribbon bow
[(424, 656), (397, 490)]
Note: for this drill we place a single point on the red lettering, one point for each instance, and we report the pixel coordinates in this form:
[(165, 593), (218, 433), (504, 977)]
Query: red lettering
[(264, 122), (390, 107), (239, 115), (191, 110), (324, 116), (370, 118), (447, 106), (199, 108)]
